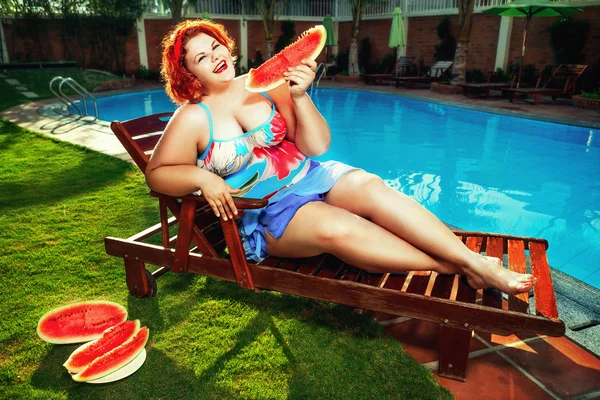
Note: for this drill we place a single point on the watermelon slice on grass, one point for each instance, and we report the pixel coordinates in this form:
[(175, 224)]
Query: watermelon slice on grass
[(270, 74), (111, 338), (116, 359), (80, 322)]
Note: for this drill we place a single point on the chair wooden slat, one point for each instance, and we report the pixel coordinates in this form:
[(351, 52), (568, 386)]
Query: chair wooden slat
[(310, 265), (144, 125), (148, 143), (517, 263), (330, 267), (465, 293), (349, 273), (443, 286), (494, 248), (543, 292), (418, 283), (408, 280), (394, 281), (431, 283)]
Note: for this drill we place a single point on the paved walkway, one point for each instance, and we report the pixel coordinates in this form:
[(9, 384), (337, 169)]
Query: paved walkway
[(511, 367)]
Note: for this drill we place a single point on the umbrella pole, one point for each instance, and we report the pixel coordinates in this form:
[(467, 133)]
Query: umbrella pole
[(523, 50), (396, 64)]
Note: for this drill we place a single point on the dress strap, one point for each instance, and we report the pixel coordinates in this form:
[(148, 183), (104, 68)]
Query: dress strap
[(270, 99), (210, 129)]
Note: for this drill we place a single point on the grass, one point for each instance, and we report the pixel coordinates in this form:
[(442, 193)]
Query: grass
[(208, 338), (37, 80)]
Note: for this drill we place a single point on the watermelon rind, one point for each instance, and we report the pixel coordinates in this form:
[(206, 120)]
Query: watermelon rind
[(124, 371), (111, 338), (87, 321), (114, 359), (276, 77)]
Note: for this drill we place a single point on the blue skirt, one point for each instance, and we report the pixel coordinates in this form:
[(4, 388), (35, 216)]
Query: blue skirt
[(282, 207)]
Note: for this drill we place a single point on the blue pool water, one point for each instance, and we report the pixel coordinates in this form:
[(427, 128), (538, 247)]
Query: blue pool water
[(475, 170)]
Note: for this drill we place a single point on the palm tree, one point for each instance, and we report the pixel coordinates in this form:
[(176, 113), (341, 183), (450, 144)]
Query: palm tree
[(176, 8), (270, 11), (465, 16), (357, 10)]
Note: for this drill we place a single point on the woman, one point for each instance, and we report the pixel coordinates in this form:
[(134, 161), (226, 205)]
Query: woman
[(225, 141)]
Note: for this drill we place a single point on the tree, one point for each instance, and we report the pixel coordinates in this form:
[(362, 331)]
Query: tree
[(465, 17), (357, 10), (270, 11), (176, 8)]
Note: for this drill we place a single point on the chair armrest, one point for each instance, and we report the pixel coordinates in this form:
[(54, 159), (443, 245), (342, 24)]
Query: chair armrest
[(243, 204)]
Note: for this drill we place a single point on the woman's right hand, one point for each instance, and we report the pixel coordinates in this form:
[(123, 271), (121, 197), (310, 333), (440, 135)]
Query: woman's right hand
[(218, 195)]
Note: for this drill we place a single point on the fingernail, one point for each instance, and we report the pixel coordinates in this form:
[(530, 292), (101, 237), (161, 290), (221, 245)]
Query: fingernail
[(224, 218), (235, 212)]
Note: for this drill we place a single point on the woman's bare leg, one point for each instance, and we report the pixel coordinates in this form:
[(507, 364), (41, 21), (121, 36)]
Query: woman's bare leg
[(320, 228), (367, 195)]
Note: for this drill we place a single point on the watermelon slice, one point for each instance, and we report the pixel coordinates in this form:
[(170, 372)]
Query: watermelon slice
[(114, 359), (270, 74), (111, 338), (80, 322)]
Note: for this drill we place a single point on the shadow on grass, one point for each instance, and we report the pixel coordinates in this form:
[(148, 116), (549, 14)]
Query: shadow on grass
[(49, 171)]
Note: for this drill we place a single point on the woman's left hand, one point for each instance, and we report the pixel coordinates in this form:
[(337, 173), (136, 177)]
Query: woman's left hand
[(301, 77)]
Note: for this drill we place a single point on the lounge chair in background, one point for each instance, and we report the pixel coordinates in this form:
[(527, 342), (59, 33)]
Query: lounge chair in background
[(485, 88), (201, 240), (562, 83), (435, 73), (402, 67)]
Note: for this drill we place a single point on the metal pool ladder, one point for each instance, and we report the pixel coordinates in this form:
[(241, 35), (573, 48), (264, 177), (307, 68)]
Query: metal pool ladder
[(80, 90), (321, 67)]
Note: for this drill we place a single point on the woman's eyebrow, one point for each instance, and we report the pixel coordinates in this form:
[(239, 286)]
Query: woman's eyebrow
[(201, 53)]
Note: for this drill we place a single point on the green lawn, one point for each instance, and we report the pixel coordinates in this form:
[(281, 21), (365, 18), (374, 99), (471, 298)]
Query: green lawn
[(208, 338), (37, 80)]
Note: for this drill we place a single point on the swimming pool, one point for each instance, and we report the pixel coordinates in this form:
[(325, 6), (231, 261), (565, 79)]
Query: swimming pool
[(475, 170)]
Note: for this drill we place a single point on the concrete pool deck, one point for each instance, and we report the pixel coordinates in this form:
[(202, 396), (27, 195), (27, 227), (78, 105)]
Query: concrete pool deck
[(524, 367)]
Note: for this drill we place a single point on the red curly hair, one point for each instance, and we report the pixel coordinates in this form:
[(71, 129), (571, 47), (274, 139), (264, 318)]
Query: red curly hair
[(180, 84)]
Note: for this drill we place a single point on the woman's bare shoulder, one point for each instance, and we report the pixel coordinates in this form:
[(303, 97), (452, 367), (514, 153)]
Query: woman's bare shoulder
[(186, 119)]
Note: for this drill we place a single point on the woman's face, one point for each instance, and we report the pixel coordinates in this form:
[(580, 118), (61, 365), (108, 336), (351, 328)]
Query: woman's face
[(209, 60)]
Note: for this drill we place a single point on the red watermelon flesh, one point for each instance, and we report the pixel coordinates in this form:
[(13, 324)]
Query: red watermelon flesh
[(270, 74), (114, 359), (80, 322), (111, 338)]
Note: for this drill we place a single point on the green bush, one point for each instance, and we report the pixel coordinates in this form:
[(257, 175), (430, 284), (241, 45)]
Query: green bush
[(591, 95), (529, 74), (447, 48), (568, 37), (341, 60), (145, 73), (475, 76)]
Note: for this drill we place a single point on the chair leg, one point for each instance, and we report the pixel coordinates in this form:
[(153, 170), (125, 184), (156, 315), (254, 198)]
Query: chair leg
[(454, 352), (536, 99), (135, 276)]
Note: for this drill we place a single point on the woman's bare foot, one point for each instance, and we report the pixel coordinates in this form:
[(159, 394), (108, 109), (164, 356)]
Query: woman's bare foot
[(488, 272)]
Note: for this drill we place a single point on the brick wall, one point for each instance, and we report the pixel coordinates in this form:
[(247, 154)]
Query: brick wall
[(421, 39), (51, 44)]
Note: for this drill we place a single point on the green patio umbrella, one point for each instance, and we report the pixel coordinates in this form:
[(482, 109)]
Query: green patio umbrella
[(397, 32), (205, 15), (331, 39), (529, 9)]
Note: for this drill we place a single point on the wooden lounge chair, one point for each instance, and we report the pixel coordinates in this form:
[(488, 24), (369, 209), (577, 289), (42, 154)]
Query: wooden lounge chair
[(402, 68), (435, 73), (485, 88), (562, 83), (444, 299)]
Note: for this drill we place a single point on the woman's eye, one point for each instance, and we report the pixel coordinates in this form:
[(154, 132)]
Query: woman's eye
[(215, 46), (201, 58)]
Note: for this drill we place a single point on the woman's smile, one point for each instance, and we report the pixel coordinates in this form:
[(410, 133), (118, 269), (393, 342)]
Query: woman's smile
[(221, 66)]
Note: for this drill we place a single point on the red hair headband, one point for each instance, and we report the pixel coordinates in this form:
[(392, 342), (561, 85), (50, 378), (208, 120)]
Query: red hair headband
[(178, 44)]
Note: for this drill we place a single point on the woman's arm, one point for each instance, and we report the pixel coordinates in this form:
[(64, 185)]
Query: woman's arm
[(172, 167), (306, 126)]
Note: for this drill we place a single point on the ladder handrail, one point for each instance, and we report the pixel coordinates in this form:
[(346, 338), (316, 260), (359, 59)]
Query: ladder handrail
[(77, 88), (321, 67), (64, 99), (71, 80)]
